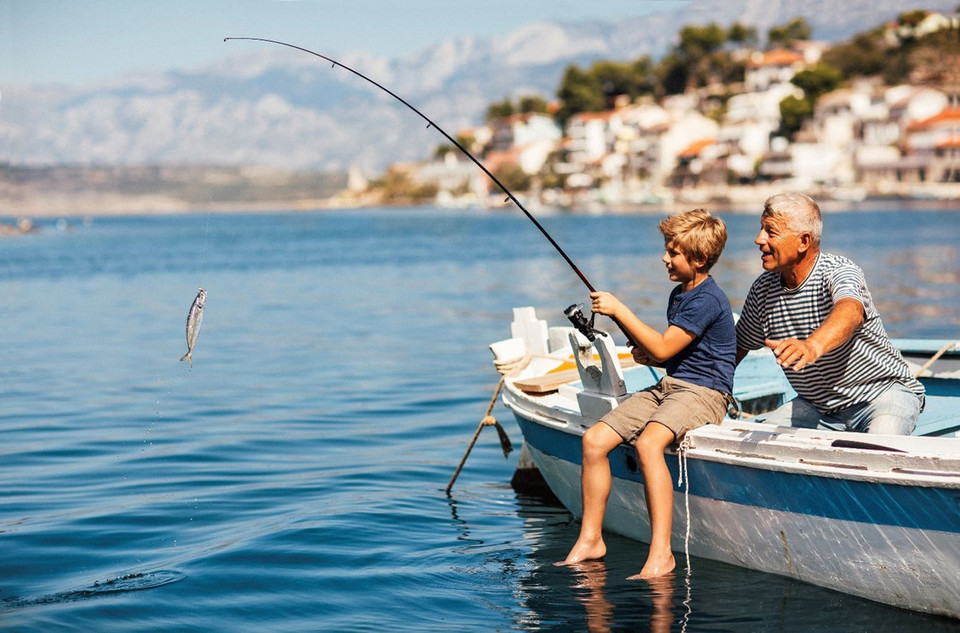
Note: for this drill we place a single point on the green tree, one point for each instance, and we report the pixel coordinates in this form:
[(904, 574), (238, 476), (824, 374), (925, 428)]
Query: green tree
[(443, 150), (864, 55), (793, 112), (912, 18), (579, 92), (700, 58), (795, 29), (532, 103), (499, 110), (506, 108), (674, 73), (697, 41), (622, 78), (817, 81), (742, 35), (595, 89), (512, 177)]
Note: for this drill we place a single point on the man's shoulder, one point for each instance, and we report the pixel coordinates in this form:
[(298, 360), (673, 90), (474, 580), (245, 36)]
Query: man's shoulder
[(831, 262), (837, 269)]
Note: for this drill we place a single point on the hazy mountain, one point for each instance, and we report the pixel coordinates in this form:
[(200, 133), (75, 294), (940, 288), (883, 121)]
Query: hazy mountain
[(264, 104)]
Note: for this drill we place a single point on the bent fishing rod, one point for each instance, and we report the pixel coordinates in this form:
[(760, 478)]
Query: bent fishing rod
[(580, 322)]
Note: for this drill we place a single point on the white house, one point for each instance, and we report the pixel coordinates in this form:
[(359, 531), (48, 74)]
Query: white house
[(524, 129), (768, 68), (838, 115), (685, 129)]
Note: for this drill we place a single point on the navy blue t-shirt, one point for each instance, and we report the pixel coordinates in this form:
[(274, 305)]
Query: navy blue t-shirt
[(710, 359)]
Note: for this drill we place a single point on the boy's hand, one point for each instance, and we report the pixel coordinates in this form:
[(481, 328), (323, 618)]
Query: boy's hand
[(640, 355), (606, 304)]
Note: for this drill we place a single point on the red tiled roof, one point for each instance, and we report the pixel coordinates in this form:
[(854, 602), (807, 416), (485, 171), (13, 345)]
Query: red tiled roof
[(778, 57), (947, 115), (695, 148), (595, 116)]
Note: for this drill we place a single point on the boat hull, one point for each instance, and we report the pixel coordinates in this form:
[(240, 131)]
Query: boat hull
[(890, 536), (870, 515)]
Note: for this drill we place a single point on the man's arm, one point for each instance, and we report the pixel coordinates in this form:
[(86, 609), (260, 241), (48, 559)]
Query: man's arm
[(836, 329)]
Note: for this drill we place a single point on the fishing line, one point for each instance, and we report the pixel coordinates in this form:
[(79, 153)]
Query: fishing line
[(452, 140)]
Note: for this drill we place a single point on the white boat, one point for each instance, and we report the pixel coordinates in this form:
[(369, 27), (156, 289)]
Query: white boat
[(870, 515)]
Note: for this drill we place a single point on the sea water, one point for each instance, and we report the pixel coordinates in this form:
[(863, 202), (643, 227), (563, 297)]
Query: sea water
[(293, 479)]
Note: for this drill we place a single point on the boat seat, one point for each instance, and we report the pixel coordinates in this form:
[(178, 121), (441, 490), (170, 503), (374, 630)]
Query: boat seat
[(757, 377), (939, 417)]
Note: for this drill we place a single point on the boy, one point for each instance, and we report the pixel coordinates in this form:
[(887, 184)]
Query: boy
[(698, 349)]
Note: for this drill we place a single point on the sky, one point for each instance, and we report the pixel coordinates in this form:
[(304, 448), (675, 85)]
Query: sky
[(75, 42)]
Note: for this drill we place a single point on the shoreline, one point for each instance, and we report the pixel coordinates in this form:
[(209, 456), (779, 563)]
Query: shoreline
[(740, 199)]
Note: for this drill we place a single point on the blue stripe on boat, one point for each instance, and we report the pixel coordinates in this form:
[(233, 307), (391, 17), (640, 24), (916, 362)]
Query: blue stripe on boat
[(912, 507)]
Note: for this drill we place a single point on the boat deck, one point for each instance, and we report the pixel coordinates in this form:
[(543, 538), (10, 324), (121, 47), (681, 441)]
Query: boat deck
[(760, 386)]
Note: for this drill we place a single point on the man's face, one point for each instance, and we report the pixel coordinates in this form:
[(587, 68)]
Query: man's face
[(779, 244)]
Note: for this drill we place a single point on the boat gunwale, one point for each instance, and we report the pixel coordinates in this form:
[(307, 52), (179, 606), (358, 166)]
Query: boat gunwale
[(806, 451)]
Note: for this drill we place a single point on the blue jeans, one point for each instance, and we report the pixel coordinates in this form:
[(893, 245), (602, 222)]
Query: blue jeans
[(894, 412)]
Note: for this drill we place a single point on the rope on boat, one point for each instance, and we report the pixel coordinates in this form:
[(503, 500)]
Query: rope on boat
[(943, 350), (506, 368), (513, 366), (685, 478)]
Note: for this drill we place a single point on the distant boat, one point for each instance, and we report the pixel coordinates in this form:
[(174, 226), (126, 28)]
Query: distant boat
[(848, 193), (870, 515)]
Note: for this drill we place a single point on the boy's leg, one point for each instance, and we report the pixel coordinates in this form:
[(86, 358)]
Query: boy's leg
[(658, 487), (595, 481)]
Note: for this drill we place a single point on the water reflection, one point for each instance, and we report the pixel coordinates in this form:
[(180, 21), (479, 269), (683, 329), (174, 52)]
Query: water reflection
[(591, 576), (709, 596)]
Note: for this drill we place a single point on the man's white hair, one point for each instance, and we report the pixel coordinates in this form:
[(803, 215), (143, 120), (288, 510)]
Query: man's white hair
[(800, 211)]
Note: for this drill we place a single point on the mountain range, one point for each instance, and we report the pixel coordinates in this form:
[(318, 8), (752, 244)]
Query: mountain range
[(268, 105)]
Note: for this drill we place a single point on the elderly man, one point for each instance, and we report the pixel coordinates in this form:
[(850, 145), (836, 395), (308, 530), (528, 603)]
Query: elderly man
[(814, 310)]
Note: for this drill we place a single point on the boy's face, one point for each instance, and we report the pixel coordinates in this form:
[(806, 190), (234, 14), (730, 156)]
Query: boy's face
[(679, 268)]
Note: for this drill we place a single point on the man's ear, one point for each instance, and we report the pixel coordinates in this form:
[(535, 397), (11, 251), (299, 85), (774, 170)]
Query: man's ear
[(806, 241)]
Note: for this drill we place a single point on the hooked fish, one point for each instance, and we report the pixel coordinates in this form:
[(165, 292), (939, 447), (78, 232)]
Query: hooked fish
[(194, 319)]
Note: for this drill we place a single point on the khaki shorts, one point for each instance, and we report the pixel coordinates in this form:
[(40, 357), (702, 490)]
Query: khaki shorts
[(678, 405)]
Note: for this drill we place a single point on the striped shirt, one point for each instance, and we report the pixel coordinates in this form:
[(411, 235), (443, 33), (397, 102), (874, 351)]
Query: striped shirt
[(857, 371)]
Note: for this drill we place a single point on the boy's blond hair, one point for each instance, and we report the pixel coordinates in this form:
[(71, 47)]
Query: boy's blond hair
[(696, 234)]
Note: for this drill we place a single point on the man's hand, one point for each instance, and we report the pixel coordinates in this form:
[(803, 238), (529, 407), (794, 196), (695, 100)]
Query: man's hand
[(847, 315), (792, 353)]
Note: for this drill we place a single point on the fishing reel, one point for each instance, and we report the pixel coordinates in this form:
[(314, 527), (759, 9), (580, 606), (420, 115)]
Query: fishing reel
[(575, 314)]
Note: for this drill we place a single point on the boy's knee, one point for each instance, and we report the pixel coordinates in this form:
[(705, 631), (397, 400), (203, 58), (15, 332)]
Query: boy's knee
[(651, 445), (647, 449), (593, 442)]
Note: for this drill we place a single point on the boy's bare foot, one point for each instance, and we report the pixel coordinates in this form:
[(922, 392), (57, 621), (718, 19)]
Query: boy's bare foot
[(585, 550), (656, 566)]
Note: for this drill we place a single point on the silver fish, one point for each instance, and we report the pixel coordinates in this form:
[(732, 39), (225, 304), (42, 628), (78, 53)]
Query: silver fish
[(194, 319)]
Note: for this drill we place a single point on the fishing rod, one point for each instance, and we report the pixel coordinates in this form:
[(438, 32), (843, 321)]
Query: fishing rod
[(579, 322)]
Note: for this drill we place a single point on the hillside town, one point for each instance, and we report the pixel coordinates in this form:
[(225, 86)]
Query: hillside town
[(863, 139)]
